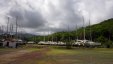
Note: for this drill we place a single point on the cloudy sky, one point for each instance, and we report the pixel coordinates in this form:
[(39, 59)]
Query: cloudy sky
[(41, 16)]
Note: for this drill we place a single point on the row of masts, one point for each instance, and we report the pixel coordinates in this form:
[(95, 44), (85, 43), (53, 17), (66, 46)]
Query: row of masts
[(68, 30), (84, 31), (10, 29)]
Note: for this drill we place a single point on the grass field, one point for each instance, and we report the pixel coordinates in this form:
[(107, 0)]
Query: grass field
[(56, 55)]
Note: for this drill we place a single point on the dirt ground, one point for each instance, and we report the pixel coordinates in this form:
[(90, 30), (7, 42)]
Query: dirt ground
[(8, 57), (21, 56), (50, 55)]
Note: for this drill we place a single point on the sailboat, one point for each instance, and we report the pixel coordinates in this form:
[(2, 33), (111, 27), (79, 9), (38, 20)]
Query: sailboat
[(85, 42), (77, 41), (90, 43), (80, 42)]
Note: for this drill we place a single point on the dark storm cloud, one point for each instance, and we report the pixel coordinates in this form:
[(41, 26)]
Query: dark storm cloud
[(63, 12), (37, 16), (28, 19)]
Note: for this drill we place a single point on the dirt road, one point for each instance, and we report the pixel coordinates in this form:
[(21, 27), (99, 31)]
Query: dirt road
[(22, 56), (6, 58)]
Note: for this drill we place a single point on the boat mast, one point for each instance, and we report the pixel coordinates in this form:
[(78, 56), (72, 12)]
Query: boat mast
[(8, 25), (84, 28), (16, 28), (44, 36), (7, 28), (12, 30), (2, 32), (68, 34), (2, 28), (52, 37), (90, 29), (48, 33), (76, 32)]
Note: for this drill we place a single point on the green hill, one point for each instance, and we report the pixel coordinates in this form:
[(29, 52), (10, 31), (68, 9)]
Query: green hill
[(103, 29), (102, 32)]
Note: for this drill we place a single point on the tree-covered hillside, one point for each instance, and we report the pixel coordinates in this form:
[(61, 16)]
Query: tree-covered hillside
[(102, 32)]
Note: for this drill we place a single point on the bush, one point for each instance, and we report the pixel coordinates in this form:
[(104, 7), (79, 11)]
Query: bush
[(69, 44), (109, 44)]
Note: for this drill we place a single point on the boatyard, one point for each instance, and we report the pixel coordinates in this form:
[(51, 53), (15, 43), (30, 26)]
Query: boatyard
[(56, 32)]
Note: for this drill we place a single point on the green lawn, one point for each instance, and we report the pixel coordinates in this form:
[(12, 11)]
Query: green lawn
[(78, 56), (60, 55)]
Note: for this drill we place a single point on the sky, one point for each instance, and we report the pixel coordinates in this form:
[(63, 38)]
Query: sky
[(44, 17)]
